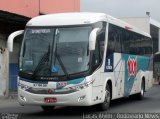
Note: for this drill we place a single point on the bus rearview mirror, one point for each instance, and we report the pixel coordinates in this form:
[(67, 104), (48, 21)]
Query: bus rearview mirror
[(11, 38), (92, 38)]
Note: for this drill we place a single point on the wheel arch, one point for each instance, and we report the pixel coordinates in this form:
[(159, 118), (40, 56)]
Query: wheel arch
[(110, 84)]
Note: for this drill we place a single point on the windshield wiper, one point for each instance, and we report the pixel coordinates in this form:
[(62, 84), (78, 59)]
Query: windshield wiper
[(56, 55), (62, 65), (45, 58)]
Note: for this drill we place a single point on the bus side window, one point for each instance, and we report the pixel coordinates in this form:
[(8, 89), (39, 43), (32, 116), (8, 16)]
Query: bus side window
[(101, 40), (110, 47), (114, 40)]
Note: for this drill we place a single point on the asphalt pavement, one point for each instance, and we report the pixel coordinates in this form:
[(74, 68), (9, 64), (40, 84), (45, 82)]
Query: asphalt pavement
[(149, 105)]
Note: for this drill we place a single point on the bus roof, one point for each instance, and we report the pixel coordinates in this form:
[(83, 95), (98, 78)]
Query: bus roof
[(65, 19)]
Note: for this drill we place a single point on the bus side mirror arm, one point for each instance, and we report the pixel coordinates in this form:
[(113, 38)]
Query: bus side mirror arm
[(92, 38), (11, 38)]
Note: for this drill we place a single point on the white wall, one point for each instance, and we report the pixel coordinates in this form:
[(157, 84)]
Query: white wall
[(4, 83), (3, 67), (13, 58)]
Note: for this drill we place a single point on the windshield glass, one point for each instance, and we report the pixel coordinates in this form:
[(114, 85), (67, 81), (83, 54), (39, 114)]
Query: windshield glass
[(55, 51)]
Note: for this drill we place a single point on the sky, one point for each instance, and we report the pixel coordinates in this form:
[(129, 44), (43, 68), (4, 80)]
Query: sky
[(123, 8)]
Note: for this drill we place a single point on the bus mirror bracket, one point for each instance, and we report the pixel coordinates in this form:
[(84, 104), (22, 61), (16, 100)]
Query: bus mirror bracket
[(92, 38), (11, 38)]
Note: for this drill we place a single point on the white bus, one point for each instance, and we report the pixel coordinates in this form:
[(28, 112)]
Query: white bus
[(81, 59)]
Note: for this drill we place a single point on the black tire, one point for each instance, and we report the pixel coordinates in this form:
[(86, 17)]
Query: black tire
[(48, 108), (105, 105), (140, 95)]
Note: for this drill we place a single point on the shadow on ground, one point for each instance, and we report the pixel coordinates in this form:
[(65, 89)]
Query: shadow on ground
[(80, 111)]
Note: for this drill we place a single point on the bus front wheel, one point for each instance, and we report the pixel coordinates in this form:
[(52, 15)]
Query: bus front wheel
[(105, 105)]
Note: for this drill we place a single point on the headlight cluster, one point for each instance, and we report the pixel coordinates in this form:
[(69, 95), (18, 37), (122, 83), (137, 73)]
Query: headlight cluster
[(23, 87), (76, 87), (82, 86), (73, 88)]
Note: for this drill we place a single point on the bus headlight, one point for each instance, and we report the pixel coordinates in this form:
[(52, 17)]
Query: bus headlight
[(23, 87), (74, 88), (82, 86)]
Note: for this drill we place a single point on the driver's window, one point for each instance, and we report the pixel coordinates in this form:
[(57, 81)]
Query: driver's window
[(99, 50)]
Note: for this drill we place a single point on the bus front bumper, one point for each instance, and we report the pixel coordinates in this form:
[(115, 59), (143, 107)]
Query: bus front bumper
[(79, 98)]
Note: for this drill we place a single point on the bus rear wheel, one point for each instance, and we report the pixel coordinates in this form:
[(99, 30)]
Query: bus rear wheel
[(140, 95), (105, 105), (48, 108)]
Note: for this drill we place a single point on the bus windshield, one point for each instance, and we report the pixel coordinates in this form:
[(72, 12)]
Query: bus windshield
[(55, 51)]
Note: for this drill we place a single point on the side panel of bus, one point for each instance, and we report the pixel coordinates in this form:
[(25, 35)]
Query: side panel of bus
[(128, 72), (127, 61)]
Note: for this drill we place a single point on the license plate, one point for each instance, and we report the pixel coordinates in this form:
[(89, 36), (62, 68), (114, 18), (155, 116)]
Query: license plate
[(39, 85), (50, 100)]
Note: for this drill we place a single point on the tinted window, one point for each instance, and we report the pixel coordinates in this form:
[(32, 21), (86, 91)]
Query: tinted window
[(121, 40), (114, 39)]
